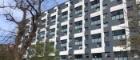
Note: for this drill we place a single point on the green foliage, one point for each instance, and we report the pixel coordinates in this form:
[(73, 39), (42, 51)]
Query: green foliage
[(45, 52)]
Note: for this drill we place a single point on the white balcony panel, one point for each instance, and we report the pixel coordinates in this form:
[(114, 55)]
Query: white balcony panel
[(78, 4), (96, 31), (117, 7), (119, 48), (95, 14), (63, 37), (65, 9), (78, 34), (52, 40), (118, 27), (79, 51), (64, 23), (78, 19), (53, 26), (63, 53), (55, 13), (97, 50)]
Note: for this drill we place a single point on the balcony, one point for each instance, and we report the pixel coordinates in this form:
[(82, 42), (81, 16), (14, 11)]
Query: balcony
[(95, 7), (78, 13), (96, 40), (63, 45), (96, 22), (64, 18), (78, 27), (78, 43), (119, 37)]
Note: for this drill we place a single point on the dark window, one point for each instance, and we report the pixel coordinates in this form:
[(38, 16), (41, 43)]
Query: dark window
[(78, 11), (121, 55), (96, 40), (78, 56), (116, 1), (52, 20), (119, 35), (97, 56), (78, 27), (95, 5), (78, 41), (64, 30), (118, 15), (63, 45), (95, 21)]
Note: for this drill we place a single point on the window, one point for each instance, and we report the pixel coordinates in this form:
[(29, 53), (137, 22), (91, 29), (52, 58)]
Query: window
[(95, 5), (117, 15), (78, 27), (52, 20), (64, 16), (78, 41), (52, 32), (41, 35), (119, 34), (95, 21), (63, 57), (97, 56), (96, 40), (78, 11), (116, 1), (64, 30), (78, 57), (121, 55), (63, 45)]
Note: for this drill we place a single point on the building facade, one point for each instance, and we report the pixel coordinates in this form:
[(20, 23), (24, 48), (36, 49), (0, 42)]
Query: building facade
[(88, 29)]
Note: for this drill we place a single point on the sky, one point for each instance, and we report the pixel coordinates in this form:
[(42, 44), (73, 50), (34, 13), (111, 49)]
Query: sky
[(9, 26)]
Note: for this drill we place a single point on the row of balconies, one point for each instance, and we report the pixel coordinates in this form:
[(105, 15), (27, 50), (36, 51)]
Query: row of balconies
[(121, 55)]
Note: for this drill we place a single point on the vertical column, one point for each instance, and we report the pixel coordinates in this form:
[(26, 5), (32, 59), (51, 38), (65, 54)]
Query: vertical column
[(68, 29), (102, 25), (127, 31), (56, 28), (126, 18), (46, 25), (83, 27)]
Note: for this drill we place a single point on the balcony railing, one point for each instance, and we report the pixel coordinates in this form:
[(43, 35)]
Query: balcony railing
[(119, 37), (78, 27), (63, 45), (64, 18), (78, 13), (95, 7), (96, 22), (78, 43), (96, 40)]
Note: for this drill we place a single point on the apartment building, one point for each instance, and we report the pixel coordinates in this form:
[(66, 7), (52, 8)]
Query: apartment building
[(88, 29)]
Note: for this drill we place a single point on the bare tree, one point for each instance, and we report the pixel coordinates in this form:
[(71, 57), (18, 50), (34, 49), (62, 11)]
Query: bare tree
[(134, 26), (32, 8)]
